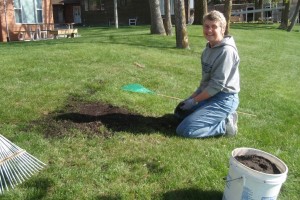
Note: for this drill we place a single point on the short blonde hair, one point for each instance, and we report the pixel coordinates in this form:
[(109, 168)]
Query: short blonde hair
[(216, 16)]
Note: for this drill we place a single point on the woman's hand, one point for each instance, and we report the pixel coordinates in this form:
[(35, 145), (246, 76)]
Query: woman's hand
[(188, 104)]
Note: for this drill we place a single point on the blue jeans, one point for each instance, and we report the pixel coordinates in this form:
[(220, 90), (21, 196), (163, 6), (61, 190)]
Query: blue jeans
[(207, 118)]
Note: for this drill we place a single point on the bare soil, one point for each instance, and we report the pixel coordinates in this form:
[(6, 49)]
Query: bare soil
[(258, 163), (101, 119)]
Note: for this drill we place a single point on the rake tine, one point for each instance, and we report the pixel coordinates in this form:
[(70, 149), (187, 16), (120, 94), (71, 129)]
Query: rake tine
[(3, 149), (30, 165), (10, 146), (6, 169), (18, 174), (9, 175), (23, 168), (12, 174), (33, 161), (1, 185), (36, 160), (18, 170), (16, 165), (3, 182), (5, 142), (18, 149), (22, 174), (15, 171)]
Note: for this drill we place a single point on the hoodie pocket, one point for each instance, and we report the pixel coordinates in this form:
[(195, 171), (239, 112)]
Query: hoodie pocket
[(206, 67)]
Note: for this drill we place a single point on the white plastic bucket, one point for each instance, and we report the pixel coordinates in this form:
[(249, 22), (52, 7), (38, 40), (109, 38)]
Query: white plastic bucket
[(244, 183)]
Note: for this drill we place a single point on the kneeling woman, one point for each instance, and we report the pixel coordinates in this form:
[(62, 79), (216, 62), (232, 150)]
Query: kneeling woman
[(211, 109)]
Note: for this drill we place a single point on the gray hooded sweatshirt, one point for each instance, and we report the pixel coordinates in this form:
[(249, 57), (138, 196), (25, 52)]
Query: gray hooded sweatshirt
[(220, 70)]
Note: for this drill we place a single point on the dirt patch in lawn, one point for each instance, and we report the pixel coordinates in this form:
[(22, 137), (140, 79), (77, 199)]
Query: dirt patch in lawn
[(258, 163), (102, 119)]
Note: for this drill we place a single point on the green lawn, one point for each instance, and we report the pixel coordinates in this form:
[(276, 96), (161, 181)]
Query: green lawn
[(40, 78)]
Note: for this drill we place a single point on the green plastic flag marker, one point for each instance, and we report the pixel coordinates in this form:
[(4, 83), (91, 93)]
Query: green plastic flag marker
[(137, 88), (141, 89)]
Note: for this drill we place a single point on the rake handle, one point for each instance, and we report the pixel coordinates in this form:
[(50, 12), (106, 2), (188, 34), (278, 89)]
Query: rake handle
[(176, 98), (163, 95)]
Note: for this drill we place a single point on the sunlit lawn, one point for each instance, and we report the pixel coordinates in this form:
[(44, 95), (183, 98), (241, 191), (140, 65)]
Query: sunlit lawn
[(39, 78)]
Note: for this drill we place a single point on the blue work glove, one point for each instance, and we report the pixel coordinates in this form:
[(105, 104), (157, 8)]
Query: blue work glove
[(188, 104)]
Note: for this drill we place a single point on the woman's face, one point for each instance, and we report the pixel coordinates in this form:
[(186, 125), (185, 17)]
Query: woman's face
[(213, 32)]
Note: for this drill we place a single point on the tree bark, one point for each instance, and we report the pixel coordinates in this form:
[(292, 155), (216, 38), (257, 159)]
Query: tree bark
[(157, 26), (200, 10), (294, 18), (116, 13), (285, 14), (180, 25), (258, 5), (168, 22), (204, 9), (227, 14), (187, 10)]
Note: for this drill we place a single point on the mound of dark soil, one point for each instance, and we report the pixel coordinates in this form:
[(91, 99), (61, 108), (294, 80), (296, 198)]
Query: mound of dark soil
[(258, 163), (101, 119)]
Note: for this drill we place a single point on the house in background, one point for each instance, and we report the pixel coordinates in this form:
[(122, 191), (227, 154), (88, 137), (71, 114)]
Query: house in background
[(101, 12), (17, 15), (246, 11), (66, 11)]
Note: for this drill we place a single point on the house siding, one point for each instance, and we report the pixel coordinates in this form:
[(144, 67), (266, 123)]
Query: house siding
[(13, 27)]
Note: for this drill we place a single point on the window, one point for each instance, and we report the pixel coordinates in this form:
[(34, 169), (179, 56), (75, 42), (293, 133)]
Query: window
[(268, 14), (28, 11)]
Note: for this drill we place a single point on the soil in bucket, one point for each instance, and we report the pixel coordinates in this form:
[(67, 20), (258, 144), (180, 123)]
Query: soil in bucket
[(258, 163)]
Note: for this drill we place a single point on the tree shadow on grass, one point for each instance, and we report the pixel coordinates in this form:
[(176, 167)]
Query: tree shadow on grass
[(180, 194), (253, 26), (41, 187), (192, 194), (107, 197)]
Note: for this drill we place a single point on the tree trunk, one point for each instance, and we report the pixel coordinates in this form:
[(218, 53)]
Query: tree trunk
[(187, 10), (180, 25), (204, 9), (294, 18), (157, 26), (168, 22), (197, 11), (261, 5), (258, 5), (116, 13), (200, 10), (227, 14), (285, 15)]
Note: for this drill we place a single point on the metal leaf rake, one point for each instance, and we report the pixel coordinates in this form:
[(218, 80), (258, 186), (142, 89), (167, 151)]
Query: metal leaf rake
[(141, 89), (16, 165)]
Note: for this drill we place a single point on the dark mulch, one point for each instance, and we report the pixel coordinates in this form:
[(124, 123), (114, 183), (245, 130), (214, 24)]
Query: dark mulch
[(258, 163), (101, 119)]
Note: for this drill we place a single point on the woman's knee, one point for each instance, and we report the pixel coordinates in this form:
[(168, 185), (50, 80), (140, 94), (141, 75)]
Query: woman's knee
[(191, 132)]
